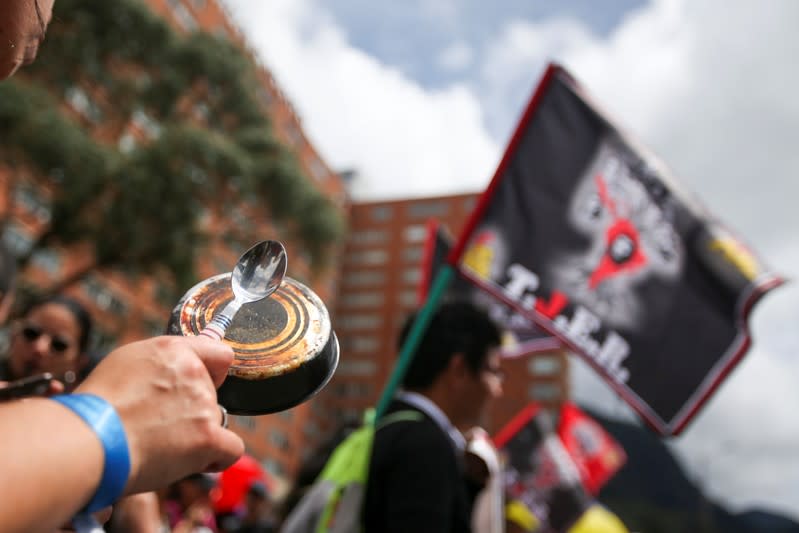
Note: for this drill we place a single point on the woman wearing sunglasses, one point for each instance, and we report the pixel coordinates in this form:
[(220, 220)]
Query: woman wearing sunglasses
[(52, 336)]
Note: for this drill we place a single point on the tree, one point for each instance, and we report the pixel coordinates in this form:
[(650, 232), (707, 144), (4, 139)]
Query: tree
[(210, 142)]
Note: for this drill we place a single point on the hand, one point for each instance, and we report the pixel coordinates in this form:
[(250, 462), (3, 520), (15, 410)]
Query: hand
[(102, 516), (164, 390), (481, 458)]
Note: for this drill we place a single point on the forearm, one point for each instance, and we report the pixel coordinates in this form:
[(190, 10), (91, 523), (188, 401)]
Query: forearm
[(139, 513), (51, 465)]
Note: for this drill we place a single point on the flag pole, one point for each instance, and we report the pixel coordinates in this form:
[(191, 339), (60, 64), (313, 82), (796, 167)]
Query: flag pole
[(418, 328)]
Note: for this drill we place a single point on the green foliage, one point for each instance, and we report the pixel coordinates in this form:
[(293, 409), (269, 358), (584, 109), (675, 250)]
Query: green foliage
[(142, 209), (36, 133)]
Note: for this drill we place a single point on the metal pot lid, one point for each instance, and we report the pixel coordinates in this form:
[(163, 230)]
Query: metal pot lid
[(270, 337)]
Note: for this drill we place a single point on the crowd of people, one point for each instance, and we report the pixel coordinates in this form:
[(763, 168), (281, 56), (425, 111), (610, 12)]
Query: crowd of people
[(134, 441)]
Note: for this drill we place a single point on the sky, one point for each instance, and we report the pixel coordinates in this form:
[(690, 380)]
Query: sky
[(420, 98)]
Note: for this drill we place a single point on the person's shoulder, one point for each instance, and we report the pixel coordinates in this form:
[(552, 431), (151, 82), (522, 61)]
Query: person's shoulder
[(405, 426)]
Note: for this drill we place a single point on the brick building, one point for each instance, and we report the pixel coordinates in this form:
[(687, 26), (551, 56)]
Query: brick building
[(380, 276), (369, 289), (125, 309)]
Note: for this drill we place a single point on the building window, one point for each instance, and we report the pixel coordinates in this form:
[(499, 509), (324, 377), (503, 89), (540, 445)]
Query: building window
[(154, 326), (544, 365), (31, 200), (293, 133), (363, 299), (198, 4), (83, 105), (409, 299), (544, 392), (245, 422), (469, 203), (360, 343), (318, 170), (370, 321), (412, 275), (381, 213), (349, 415), (427, 209), (17, 240), (146, 124), (265, 96), (311, 430), (104, 297), (358, 279), (126, 143), (220, 32), (353, 389), (47, 260), (368, 257), (102, 339), (182, 16), (274, 467), (356, 367), (372, 236), (278, 439), (416, 233), (413, 254)]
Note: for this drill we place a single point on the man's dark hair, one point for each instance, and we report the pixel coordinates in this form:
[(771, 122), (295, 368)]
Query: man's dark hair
[(456, 327), (8, 270)]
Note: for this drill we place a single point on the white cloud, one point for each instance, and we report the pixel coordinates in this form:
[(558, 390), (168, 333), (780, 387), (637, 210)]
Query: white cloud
[(402, 139), (455, 57), (707, 84), (710, 98)]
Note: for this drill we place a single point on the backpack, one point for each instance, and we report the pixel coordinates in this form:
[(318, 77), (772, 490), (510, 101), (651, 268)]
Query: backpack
[(333, 504)]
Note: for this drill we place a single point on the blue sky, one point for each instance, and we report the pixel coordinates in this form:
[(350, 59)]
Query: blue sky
[(420, 98)]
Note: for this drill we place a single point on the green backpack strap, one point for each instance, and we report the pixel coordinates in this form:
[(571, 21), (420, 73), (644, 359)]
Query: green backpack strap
[(347, 471), (399, 416)]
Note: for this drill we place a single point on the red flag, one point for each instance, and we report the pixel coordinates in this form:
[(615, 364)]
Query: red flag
[(597, 455), (538, 471)]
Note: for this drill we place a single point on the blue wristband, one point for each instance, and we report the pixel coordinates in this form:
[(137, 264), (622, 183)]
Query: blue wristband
[(105, 422)]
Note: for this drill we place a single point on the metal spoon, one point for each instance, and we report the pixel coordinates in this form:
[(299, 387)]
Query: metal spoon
[(258, 273)]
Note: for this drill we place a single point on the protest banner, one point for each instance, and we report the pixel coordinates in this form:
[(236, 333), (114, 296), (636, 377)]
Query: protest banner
[(597, 455), (521, 338), (538, 471), (586, 234)]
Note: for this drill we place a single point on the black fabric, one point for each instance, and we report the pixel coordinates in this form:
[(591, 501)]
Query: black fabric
[(5, 370), (415, 481), (587, 234)]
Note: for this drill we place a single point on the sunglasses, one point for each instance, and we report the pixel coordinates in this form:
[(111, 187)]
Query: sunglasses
[(57, 344)]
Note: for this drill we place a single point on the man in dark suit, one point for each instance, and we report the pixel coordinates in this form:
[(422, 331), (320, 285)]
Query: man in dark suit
[(416, 480)]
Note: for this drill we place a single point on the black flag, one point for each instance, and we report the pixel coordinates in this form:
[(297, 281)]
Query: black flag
[(587, 234), (522, 336)]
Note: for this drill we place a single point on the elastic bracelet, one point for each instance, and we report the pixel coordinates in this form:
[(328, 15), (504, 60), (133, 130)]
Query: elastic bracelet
[(106, 424)]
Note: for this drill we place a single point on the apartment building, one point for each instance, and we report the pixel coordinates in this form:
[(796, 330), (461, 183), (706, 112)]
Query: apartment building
[(126, 309), (381, 271)]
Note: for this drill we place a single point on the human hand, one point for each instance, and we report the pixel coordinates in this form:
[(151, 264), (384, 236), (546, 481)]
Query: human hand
[(164, 390), (31, 386), (481, 458)]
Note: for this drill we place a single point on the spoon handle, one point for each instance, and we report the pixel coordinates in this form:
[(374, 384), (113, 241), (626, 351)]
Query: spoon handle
[(218, 325), (216, 328)]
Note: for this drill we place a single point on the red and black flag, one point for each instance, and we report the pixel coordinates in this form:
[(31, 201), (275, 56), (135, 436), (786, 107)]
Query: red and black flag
[(538, 471), (523, 337), (585, 233), (597, 455)]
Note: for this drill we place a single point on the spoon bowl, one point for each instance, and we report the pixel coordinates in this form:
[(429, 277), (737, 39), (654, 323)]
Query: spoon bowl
[(257, 274), (259, 271)]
